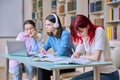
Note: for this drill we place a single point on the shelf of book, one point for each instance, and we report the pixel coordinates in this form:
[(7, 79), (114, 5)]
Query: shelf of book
[(96, 12), (107, 13), (112, 2), (67, 9), (112, 21), (37, 14), (96, 5), (53, 6)]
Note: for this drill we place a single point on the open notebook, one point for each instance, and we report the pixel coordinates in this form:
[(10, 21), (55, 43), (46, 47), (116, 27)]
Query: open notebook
[(46, 57), (59, 60), (74, 61)]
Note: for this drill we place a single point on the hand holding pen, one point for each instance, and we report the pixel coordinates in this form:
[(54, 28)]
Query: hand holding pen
[(43, 51), (75, 55)]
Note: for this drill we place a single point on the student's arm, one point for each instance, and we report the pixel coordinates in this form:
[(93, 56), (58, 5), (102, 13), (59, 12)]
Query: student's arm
[(47, 44), (96, 55), (37, 37), (35, 34)]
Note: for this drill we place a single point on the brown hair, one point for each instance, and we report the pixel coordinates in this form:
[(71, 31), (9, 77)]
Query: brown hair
[(58, 30)]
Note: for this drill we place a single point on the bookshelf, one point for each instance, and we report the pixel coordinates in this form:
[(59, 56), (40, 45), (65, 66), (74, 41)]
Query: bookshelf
[(107, 14), (37, 14), (112, 21), (96, 12), (67, 9)]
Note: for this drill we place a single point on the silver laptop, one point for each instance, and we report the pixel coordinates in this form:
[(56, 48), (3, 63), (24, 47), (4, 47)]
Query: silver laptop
[(16, 48)]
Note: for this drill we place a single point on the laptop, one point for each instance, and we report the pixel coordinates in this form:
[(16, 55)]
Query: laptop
[(16, 48)]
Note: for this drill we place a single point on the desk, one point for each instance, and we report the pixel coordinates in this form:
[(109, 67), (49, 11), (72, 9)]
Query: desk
[(51, 66)]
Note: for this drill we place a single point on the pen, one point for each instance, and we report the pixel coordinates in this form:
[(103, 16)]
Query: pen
[(73, 50)]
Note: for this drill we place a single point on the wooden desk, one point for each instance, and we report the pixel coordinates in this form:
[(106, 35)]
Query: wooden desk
[(51, 66)]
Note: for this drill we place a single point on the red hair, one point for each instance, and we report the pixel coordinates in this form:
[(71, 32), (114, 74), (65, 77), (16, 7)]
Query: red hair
[(81, 21)]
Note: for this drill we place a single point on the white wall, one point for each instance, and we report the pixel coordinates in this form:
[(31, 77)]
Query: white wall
[(11, 17), (27, 9), (27, 15)]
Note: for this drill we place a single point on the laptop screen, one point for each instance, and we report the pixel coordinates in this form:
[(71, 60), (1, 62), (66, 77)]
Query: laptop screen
[(17, 48)]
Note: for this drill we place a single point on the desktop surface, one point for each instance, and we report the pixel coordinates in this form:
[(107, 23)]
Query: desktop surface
[(50, 65)]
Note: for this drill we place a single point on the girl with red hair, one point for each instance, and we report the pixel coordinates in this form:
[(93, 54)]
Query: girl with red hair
[(92, 44)]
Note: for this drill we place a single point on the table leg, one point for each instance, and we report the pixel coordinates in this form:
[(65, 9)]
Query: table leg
[(6, 77), (56, 74), (96, 73)]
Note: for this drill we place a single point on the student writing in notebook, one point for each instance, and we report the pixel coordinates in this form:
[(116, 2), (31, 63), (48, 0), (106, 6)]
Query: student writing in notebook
[(59, 40), (33, 41), (93, 45)]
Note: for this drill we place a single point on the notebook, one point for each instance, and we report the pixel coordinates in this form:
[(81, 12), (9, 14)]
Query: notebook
[(46, 57), (16, 48), (74, 61)]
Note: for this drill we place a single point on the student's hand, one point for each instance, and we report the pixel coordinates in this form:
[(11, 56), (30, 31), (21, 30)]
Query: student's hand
[(34, 33), (43, 51), (75, 55), (26, 34)]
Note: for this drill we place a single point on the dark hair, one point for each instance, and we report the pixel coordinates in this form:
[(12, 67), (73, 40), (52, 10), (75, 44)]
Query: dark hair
[(81, 21), (52, 19), (29, 22)]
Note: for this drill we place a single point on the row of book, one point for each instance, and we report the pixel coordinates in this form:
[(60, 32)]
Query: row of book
[(71, 5), (53, 3), (113, 32), (37, 14), (114, 13), (64, 21), (95, 6), (110, 1), (99, 21), (61, 9), (37, 4), (39, 25)]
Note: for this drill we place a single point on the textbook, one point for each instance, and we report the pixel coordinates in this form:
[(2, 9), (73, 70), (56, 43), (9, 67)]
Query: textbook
[(74, 61)]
